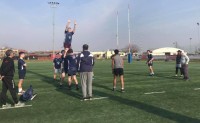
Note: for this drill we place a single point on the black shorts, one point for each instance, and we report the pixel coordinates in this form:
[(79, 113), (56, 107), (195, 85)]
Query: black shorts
[(67, 45), (150, 64), (118, 71), (65, 70), (22, 74), (72, 72)]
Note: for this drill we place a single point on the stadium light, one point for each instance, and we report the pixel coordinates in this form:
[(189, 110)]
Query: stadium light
[(53, 5), (190, 45), (198, 34)]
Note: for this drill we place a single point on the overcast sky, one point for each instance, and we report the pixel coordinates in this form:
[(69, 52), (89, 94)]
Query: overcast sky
[(27, 24)]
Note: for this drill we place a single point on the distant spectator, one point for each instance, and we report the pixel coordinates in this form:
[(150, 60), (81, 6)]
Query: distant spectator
[(184, 63), (150, 62), (178, 63)]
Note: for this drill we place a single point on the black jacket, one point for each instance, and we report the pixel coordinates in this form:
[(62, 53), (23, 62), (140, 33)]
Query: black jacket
[(7, 67)]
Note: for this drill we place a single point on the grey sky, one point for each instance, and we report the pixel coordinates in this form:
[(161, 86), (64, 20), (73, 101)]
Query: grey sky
[(154, 23)]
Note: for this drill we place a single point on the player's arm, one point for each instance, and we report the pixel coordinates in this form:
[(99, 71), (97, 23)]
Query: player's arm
[(74, 26), (67, 26), (122, 62), (187, 59), (113, 63)]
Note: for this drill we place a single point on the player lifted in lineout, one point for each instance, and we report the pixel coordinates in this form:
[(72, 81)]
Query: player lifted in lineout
[(68, 35)]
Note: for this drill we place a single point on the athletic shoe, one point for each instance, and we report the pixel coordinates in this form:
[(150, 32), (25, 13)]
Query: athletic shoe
[(21, 92), (85, 99), (60, 86), (176, 75), (113, 89), (69, 87), (90, 98), (77, 88), (7, 105), (19, 104), (122, 90)]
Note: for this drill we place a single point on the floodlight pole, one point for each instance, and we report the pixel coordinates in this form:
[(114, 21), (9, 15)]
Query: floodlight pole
[(190, 45), (129, 39), (129, 30), (117, 36), (53, 5), (198, 34)]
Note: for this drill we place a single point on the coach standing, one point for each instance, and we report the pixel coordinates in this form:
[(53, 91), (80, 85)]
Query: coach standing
[(85, 66), (7, 71), (184, 64)]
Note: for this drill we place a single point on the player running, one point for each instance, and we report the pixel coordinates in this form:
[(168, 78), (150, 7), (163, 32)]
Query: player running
[(150, 62)]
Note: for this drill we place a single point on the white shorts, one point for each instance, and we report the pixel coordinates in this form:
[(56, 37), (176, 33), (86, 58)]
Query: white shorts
[(58, 71)]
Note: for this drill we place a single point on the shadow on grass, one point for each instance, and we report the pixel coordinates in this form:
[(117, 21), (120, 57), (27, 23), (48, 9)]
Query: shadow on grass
[(160, 75), (179, 118), (50, 80)]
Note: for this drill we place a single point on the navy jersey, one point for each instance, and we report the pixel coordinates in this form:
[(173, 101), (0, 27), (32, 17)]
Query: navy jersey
[(68, 36), (72, 61), (57, 63), (21, 63), (150, 56)]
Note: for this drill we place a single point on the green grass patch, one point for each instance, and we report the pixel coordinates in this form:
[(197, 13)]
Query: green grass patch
[(179, 103)]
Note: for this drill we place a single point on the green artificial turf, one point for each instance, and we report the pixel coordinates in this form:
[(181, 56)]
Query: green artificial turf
[(179, 103)]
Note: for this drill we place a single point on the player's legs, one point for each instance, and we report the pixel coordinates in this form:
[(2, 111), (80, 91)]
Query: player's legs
[(69, 81), (76, 81), (176, 71), (83, 77), (115, 74), (121, 73), (89, 84), (55, 74), (3, 92), (151, 70), (21, 81), (20, 90)]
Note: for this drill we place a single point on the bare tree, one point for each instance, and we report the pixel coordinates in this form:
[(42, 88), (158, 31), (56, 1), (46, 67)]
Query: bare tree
[(133, 48)]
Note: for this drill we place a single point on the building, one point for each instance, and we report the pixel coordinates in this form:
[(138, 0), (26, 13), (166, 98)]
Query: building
[(16, 51)]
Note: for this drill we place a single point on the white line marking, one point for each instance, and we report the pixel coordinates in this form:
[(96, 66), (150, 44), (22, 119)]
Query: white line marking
[(16, 107), (155, 92), (99, 98), (197, 89)]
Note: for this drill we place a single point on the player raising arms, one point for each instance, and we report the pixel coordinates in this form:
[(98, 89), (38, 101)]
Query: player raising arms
[(68, 34)]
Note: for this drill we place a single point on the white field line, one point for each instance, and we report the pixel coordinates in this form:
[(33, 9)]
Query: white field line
[(16, 107), (196, 89), (99, 98), (155, 92)]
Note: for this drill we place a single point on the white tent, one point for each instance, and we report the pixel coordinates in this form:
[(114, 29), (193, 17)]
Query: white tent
[(166, 51)]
